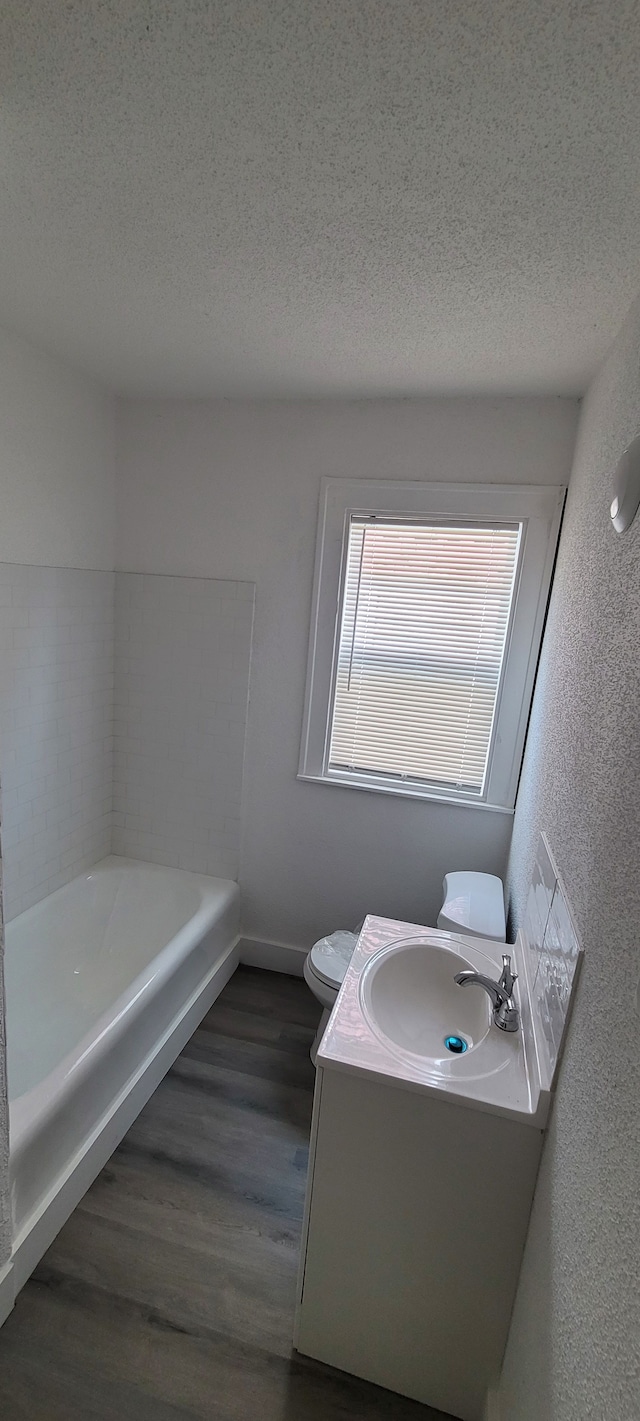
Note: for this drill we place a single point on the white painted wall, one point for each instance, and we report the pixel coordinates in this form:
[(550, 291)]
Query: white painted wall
[(56, 462), (57, 508), (230, 489), (183, 652), (574, 1349)]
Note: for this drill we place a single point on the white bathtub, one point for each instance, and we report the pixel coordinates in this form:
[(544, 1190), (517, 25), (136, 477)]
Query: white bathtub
[(105, 981)]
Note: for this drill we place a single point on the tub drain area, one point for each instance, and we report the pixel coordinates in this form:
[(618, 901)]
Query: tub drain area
[(456, 1044)]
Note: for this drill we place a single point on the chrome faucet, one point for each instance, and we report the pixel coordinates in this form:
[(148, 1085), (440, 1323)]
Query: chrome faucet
[(505, 1011)]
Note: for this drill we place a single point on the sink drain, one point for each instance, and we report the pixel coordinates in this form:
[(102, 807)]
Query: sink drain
[(457, 1044)]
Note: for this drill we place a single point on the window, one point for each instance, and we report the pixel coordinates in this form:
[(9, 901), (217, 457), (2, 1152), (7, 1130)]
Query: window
[(427, 616)]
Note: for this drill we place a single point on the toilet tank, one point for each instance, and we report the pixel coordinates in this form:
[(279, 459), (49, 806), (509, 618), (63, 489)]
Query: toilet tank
[(473, 904)]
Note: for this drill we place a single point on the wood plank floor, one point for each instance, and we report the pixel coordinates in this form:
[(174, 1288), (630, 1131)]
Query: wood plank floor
[(169, 1294)]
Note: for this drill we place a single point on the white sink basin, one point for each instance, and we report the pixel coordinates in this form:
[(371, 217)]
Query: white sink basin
[(412, 1002), (399, 1002)]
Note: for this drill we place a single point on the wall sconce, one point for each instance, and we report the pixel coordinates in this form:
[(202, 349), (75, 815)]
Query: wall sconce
[(626, 484)]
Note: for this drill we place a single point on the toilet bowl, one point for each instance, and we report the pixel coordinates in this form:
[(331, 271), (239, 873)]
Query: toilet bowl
[(473, 904), (324, 971)]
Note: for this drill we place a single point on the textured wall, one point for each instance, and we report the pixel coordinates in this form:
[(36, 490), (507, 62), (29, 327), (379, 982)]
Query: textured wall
[(183, 649), (574, 1348), (230, 489)]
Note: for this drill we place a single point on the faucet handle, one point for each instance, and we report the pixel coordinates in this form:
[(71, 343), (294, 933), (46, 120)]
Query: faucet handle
[(507, 1017), (508, 978)]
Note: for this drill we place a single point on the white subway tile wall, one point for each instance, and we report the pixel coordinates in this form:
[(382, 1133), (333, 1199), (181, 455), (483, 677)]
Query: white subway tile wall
[(153, 769), (56, 726), (183, 650), (551, 942)]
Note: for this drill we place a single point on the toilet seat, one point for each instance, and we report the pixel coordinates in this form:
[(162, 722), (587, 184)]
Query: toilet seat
[(330, 957), (325, 968)]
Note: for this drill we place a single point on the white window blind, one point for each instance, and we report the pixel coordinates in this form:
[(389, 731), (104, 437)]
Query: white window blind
[(423, 629)]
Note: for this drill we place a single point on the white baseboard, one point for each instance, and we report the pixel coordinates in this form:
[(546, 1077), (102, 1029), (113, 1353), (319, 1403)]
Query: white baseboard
[(7, 1291), (67, 1190), (273, 956)]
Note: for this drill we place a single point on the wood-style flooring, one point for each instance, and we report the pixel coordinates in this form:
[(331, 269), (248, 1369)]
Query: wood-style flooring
[(169, 1294)]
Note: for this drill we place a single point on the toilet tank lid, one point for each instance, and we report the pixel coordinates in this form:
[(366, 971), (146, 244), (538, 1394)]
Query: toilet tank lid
[(474, 903)]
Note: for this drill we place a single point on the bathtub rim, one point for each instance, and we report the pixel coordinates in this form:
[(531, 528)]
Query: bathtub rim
[(27, 1109), (67, 1189), (218, 919)]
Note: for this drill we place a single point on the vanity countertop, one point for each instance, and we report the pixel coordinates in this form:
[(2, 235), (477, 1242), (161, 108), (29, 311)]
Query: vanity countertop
[(501, 1075)]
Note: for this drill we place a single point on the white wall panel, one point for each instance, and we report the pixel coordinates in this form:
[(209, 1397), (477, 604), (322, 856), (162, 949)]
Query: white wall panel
[(56, 726)]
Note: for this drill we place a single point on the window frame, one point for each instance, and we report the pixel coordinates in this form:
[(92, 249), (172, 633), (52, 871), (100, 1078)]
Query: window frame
[(539, 509)]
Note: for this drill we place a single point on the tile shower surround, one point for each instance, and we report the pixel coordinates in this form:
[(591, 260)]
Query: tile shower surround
[(56, 710), (551, 942), (177, 720)]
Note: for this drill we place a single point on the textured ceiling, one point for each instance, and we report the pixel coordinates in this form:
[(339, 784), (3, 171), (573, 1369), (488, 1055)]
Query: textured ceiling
[(272, 197)]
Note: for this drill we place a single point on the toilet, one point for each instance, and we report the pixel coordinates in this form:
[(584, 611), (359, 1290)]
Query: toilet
[(473, 904)]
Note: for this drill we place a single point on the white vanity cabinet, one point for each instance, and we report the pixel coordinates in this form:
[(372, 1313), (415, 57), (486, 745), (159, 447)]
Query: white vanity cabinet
[(416, 1217), (422, 1169)]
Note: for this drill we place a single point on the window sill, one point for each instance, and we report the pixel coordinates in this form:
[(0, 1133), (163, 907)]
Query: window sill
[(409, 793)]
